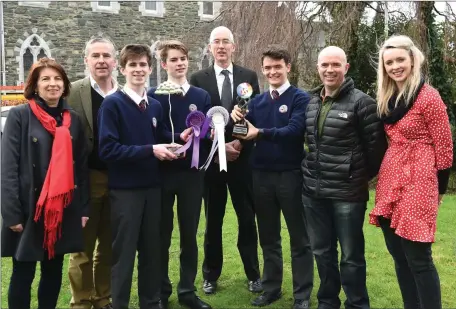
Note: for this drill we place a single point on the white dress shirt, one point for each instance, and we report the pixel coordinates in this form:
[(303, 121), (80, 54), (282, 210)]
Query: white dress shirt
[(97, 88), (134, 96), (221, 78), (185, 87), (281, 89)]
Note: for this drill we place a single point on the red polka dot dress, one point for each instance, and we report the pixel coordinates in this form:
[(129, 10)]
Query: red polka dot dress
[(407, 189)]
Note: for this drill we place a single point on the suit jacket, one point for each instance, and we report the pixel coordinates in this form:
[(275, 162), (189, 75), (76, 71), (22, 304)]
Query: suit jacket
[(80, 99), (206, 79)]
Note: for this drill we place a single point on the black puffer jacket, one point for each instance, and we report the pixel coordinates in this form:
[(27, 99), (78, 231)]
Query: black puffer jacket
[(348, 154)]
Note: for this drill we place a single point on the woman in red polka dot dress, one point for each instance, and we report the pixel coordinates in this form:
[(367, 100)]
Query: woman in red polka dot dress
[(414, 172)]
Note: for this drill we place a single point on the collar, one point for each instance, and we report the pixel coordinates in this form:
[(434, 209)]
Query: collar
[(281, 89), (335, 93), (97, 88), (61, 106), (347, 86), (218, 69), (185, 86), (134, 96)]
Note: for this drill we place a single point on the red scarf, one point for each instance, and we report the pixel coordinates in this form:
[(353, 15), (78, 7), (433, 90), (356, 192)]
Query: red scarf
[(57, 191)]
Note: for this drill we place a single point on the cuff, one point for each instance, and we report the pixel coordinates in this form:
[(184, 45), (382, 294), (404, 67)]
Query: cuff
[(443, 177), (267, 133), (147, 150), (177, 138), (8, 222), (86, 210)]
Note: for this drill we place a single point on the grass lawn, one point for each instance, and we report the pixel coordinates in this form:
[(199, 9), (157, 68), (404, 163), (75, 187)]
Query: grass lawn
[(232, 292)]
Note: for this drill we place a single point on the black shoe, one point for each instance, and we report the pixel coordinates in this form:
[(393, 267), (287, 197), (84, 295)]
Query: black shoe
[(266, 299), (194, 302), (301, 304), (164, 303), (209, 287), (255, 286)]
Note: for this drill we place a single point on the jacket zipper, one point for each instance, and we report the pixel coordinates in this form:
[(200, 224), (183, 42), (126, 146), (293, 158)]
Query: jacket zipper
[(317, 142)]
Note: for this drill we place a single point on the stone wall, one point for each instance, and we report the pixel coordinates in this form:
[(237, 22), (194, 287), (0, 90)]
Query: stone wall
[(66, 26)]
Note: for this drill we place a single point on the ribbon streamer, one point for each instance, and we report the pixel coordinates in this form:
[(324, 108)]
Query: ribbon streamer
[(219, 116), (206, 125), (211, 154), (219, 126)]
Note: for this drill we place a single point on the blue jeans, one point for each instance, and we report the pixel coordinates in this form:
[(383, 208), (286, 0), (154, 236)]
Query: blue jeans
[(329, 221)]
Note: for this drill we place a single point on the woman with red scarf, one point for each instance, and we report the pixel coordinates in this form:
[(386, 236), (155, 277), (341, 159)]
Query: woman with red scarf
[(44, 185)]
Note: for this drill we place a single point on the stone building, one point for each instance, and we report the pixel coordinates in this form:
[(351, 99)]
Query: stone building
[(58, 29)]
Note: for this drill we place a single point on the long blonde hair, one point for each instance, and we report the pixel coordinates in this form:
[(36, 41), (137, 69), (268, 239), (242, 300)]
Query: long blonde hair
[(386, 87)]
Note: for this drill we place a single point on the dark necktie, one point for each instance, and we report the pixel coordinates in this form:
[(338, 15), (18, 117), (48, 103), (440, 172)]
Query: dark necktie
[(142, 105), (275, 94), (227, 96)]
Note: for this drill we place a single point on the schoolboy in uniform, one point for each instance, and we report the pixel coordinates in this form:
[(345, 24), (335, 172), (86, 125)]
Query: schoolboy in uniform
[(276, 121), (181, 181), (129, 129)]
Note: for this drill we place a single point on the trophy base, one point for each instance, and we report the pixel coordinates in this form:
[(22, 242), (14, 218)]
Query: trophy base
[(174, 147), (240, 129)]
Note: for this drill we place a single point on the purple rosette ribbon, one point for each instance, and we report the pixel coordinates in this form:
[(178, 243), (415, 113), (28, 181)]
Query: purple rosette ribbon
[(195, 120)]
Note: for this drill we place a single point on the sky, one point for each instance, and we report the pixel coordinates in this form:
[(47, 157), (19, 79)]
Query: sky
[(406, 7), (441, 7)]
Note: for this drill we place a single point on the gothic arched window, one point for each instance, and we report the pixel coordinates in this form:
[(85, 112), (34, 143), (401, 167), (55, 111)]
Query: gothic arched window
[(42, 54), (32, 49), (27, 58)]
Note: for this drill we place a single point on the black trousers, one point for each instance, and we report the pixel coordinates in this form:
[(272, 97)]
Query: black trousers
[(239, 181), (330, 221), (275, 192), (417, 276), (135, 223), (187, 186), (19, 293)]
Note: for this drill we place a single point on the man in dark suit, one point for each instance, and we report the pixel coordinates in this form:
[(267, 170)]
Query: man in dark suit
[(90, 276), (220, 81)]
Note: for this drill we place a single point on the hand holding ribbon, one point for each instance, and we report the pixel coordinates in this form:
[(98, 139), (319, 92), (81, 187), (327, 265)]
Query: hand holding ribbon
[(195, 121)]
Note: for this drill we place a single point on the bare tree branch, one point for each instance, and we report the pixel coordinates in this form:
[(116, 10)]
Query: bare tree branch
[(438, 12), (377, 10)]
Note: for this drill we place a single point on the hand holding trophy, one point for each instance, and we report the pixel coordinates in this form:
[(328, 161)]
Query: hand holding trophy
[(244, 92)]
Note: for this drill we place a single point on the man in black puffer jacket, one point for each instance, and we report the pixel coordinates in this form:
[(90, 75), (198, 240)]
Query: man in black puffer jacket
[(346, 146)]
